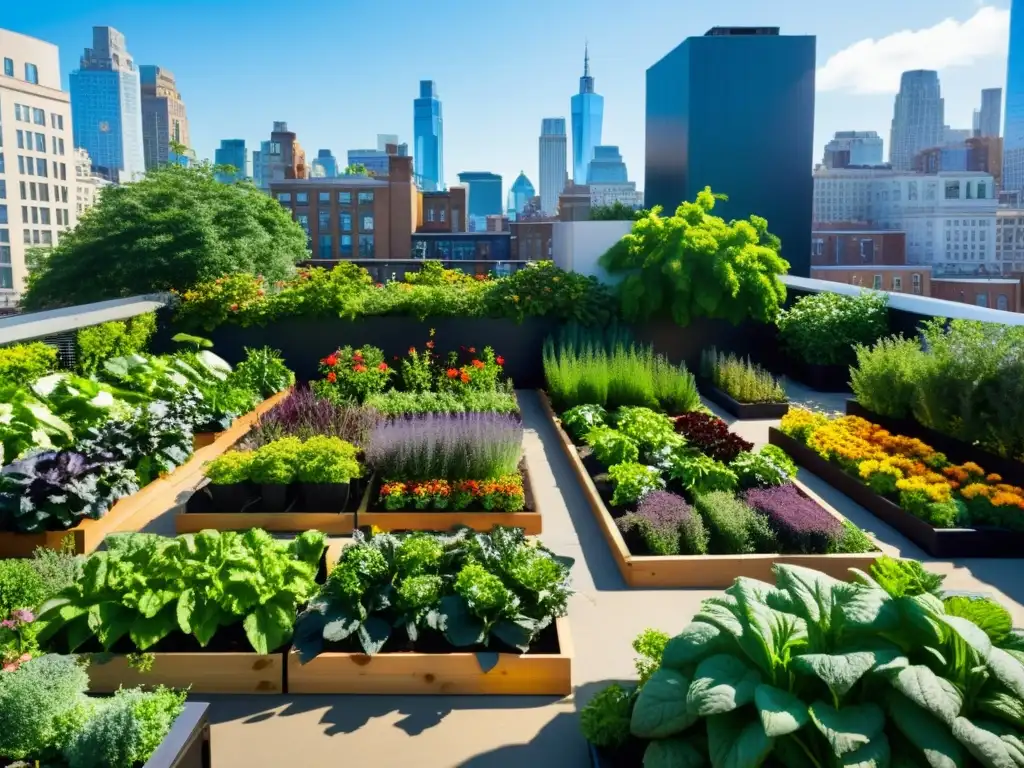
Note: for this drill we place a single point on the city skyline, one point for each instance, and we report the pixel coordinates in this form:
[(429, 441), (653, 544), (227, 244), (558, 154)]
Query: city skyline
[(856, 61)]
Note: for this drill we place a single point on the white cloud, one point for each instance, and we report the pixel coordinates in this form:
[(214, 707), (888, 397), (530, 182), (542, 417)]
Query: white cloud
[(875, 66)]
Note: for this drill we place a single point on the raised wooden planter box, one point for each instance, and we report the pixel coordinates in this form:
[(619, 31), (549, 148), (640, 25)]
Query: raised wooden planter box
[(331, 523), (533, 674), (201, 672), (938, 542), (134, 512), (426, 520), (710, 571), (744, 410), (203, 439), (956, 450), (187, 744)]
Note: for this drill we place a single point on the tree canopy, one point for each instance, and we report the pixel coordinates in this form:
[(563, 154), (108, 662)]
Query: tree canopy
[(175, 227), (694, 264), (617, 211), (356, 169)]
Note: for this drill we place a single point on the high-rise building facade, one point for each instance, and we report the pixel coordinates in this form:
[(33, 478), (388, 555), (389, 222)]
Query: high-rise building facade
[(376, 160), (587, 119), (163, 115), (553, 148), (280, 158), (853, 148), (37, 174), (428, 138), (734, 110), (917, 121), (324, 165), (106, 102), (484, 192), (519, 195), (234, 153), (606, 167), (990, 117), (88, 185), (1013, 129)]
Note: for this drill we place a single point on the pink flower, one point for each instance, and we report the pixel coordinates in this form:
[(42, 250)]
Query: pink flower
[(7, 624), (25, 657), (9, 667), (23, 615)]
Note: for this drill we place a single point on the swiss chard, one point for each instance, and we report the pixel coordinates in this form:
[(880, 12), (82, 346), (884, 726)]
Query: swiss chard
[(27, 424)]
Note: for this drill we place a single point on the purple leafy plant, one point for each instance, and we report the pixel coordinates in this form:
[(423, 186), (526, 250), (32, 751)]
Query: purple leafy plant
[(465, 446), (801, 525), (674, 528), (303, 415)]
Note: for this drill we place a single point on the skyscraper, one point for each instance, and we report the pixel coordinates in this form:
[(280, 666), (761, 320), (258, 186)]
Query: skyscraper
[(163, 115), (520, 193), (324, 165), (553, 148), (991, 116), (484, 196), (1013, 130), (853, 148), (734, 110), (428, 138), (606, 167), (233, 152), (280, 158), (587, 117), (917, 120), (106, 107)]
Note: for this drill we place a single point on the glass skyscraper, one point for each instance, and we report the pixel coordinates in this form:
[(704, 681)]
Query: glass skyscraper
[(428, 135), (325, 164), (918, 118), (106, 107), (234, 153), (607, 167), (519, 195), (1013, 131), (552, 162), (587, 117), (484, 196)]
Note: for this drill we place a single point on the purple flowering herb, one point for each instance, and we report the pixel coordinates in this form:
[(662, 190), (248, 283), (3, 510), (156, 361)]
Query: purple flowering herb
[(303, 414), (801, 525), (670, 526), (465, 446)]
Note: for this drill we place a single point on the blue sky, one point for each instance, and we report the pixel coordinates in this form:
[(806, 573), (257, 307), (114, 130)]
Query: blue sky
[(341, 71)]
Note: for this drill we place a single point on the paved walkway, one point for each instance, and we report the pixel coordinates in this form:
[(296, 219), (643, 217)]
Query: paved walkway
[(512, 732)]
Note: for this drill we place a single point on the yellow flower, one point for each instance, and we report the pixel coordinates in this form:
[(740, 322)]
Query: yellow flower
[(515, 298)]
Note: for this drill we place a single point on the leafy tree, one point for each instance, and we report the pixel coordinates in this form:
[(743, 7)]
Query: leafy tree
[(695, 264), (170, 230), (617, 211), (357, 169)]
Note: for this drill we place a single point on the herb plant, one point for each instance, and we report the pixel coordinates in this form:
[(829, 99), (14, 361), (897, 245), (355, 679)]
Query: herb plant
[(276, 463), (664, 524), (767, 467), (325, 459), (699, 474), (229, 468), (632, 482), (742, 380), (303, 414), (578, 421), (710, 435), (825, 328), (734, 528), (886, 376), (611, 447), (263, 371)]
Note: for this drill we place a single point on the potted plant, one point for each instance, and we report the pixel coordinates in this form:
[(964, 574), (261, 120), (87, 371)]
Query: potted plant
[(230, 488), (325, 469), (273, 469)]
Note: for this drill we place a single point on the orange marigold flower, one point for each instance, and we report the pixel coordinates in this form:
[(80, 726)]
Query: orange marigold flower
[(994, 478), (430, 344), (359, 368), (332, 377), (478, 364), (330, 361), (452, 372), (464, 378), (382, 367), (234, 307), (412, 350)]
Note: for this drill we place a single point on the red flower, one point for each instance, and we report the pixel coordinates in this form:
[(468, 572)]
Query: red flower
[(260, 292), (478, 364), (499, 360), (472, 350), (358, 357), (394, 357), (380, 285), (234, 307), (332, 377), (464, 378), (452, 373), (331, 360), (412, 351), (430, 345), (359, 368), (382, 367)]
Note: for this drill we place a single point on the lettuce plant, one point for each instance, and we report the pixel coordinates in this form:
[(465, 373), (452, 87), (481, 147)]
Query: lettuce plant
[(229, 468), (699, 474), (583, 418), (472, 588), (816, 672), (611, 447), (648, 429), (325, 459), (27, 424), (632, 482), (146, 587), (767, 467)]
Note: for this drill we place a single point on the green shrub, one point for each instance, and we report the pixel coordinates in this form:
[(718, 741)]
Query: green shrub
[(611, 446), (580, 420), (230, 468), (605, 718), (735, 528), (632, 481), (825, 328), (649, 646), (22, 364), (767, 467), (34, 700), (276, 463), (21, 586), (398, 403), (327, 460), (58, 568), (741, 379), (117, 338), (647, 428), (263, 371), (699, 474), (544, 290), (887, 375), (852, 540), (675, 387)]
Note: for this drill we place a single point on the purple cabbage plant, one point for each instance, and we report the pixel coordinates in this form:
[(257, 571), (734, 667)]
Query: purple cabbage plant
[(304, 415), (664, 524), (801, 525), (465, 446)]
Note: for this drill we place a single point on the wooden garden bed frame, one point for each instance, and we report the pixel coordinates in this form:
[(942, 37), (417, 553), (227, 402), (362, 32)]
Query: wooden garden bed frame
[(200, 672)]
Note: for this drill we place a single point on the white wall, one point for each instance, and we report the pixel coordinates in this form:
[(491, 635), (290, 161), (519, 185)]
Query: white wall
[(577, 245)]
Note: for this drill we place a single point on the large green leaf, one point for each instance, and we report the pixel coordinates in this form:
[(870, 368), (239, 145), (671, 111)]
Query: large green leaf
[(1002, 705), (147, 632), (660, 709), (736, 740), (672, 753), (720, 684), (811, 591), (781, 712), (849, 728), (874, 754), (722, 612), (697, 641), (986, 744), (217, 366), (268, 627), (112, 622), (929, 691), (926, 732), (1008, 670), (969, 632), (994, 620), (839, 672)]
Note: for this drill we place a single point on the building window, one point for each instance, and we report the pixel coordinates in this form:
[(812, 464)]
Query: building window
[(442, 215), (1, 162), (284, 197), (952, 190), (1002, 303), (366, 245), (366, 224), (3, 214), (365, 197), (897, 284), (323, 220), (40, 166), (344, 198), (44, 216), (40, 143), (345, 246), (345, 222), (325, 251), (3, 189), (867, 251), (981, 190), (8, 67), (324, 197), (916, 282), (38, 116), (19, 137), (31, 73), (816, 245), (301, 198), (981, 299), (877, 283), (46, 237), (912, 190)]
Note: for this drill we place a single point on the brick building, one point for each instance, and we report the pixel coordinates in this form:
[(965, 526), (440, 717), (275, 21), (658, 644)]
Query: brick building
[(899, 278), (991, 292), (850, 244)]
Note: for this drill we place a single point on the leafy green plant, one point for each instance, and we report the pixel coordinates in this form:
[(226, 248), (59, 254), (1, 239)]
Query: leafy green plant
[(21, 364), (324, 459), (147, 587), (578, 421), (886, 376), (906, 578), (742, 380), (632, 481), (276, 463), (114, 339), (647, 428), (229, 468), (27, 424), (649, 646), (699, 474), (82, 402), (735, 528), (21, 586), (769, 466), (812, 671), (825, 328), (397, 403), (604, 719), (263, 371), (495, 590), (544, 290), (675, 387), (611, 446), (692, 263)]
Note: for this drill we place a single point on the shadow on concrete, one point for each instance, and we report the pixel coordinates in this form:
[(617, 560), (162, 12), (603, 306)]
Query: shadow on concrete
[(557, 745)]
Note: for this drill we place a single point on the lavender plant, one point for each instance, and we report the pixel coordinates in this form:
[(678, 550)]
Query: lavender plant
[(303, 415), (665, 525), (470, 446), (799, 523)]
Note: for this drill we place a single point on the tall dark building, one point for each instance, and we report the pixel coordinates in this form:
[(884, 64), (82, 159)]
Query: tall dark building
[(734, 110)]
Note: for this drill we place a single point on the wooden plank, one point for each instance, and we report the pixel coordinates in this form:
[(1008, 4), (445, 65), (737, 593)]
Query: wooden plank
[(203, 439), (201, 672), (331, 523), (708, 571), (136, 511), (436, 673)]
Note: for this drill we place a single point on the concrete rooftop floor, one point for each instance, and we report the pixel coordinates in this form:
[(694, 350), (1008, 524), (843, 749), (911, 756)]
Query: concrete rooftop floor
[(540, 732)]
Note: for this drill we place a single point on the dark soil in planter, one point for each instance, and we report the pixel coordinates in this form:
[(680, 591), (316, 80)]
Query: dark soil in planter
[(434, 642)]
